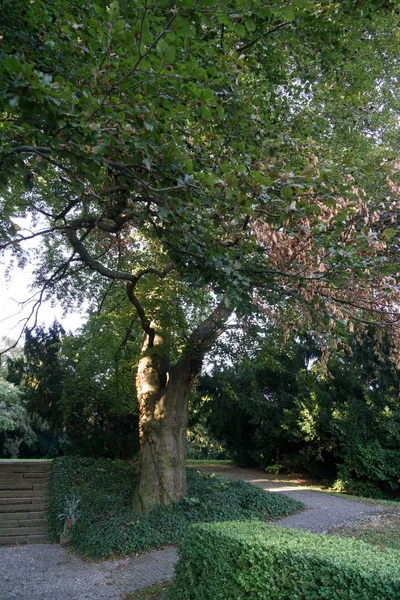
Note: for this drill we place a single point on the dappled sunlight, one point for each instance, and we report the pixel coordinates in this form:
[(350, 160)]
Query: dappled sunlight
[(267, 483), (286, 489)]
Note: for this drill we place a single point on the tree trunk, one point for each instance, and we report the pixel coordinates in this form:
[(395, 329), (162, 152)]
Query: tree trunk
[(163, 413), (162, 392)]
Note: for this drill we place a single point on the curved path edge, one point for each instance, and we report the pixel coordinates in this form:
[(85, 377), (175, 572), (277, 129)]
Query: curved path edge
[(323, 510)]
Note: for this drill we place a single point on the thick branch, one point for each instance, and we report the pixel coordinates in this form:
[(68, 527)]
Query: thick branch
[(30, 150), (160, 274), (140, 310), (203, 337), (94, 264), (130, 279)]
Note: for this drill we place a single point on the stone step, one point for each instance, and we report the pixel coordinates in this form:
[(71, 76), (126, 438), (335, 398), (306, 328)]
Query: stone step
[(24, 489), (18, 477), (22, 494), (24, 475), (24, 531), (21, 539), (21, 523), (23, 486), (16, 484), (24, 480), (20, 515), (8, 469), (25, 505)]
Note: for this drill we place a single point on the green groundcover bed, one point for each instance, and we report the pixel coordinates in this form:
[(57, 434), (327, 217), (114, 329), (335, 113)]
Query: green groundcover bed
[(107, 527), (255, 561)]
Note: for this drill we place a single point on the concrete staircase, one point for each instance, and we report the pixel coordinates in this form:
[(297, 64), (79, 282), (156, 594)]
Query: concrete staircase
[(23, 499)]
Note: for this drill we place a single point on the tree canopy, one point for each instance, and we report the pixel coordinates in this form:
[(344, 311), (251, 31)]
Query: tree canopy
[(211, 157), (228, 143)]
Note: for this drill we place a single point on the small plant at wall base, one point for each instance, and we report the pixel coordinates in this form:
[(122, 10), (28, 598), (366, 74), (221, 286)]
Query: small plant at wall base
[(70, 516)]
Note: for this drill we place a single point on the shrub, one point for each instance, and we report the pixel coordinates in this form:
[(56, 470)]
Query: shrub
[(282, 405), (203, 446), (108, 527), (233, 561)]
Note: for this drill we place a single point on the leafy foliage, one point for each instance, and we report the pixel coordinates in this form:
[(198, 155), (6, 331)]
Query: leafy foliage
[(108, 527), (78, 388), (281, 407), (38, 373), (98, 401), (206, 158), (202, 445), (15, 424), (199, 142), (231, 561)]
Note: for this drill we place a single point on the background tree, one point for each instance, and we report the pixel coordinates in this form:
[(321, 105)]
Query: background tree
[(195, 145), (78, 388), (283, 409), (15, 424), (39, 374), (98, 406)]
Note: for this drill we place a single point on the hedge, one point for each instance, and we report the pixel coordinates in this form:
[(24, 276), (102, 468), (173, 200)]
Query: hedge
[(255, 561)]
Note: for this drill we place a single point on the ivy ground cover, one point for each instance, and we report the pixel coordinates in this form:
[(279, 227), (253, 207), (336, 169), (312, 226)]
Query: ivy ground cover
[(107, 526)]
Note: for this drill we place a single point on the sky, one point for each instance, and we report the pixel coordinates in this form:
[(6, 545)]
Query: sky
[(16, 289)]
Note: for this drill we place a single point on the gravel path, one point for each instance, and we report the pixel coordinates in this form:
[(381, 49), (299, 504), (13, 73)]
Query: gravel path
[(323, 512), (49, 572)]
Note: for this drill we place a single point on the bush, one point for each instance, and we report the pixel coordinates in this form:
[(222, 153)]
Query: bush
[(108, 527), (203, 446), (233, 561)]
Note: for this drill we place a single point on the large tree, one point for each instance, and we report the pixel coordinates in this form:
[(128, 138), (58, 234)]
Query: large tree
[(215, 159)]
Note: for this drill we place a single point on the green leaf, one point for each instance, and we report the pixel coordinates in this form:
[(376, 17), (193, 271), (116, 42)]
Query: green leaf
[(389, 233), (287, 192), (231, 180), (205, 113), (161, 48), (188, 165), (169, 55), (12, 65), (288, 13), (183, 27), (163, 212)]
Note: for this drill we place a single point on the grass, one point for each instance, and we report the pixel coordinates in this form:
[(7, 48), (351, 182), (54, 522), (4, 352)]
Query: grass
[(108, 527), (381, 529)]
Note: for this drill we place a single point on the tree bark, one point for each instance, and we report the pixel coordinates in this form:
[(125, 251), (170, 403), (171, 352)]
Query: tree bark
[(162, 392)]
